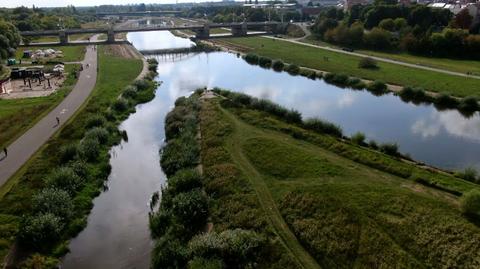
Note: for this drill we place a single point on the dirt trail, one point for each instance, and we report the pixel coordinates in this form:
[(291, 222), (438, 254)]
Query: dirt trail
[(265, 198)]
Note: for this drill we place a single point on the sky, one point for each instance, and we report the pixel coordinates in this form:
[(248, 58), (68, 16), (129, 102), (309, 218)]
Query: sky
[(56, 3)]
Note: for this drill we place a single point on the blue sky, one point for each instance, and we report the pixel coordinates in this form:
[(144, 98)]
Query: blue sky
[(56, 3)]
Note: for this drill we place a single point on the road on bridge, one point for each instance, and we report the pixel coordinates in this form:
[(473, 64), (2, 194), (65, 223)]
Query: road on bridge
[(20, 151)]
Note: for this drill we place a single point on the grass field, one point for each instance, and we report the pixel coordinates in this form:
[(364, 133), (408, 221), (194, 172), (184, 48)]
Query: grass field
[(324, 206), (15, 195), (18, 115), (70, 53), (342, 63), (462, 66), (45, 39)]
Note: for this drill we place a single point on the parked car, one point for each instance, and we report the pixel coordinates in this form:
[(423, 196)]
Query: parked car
[(347, 49)]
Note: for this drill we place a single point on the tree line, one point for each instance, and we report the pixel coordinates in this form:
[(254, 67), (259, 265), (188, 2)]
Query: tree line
[(416, 29)]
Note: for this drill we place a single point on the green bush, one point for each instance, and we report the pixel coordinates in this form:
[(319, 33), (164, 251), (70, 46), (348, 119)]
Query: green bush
[(373, 144), (40, 231), (469, 174), (141, 84), (201, 263), (64, 178), (68, 152), (79, 168), (377, 87), (415, 95), (98, 133), (389, 148), (468, 104), (169, 253), (308, 73), (184, 181), (251, 58), (130, 92), (55, 201), (321, 126), (191, 209), (367, 63), (121, 104), (443, 101), (89, 149), (95, 121), (292, 69), (356, 83), (358, 138), (264, 61), (179, 154), (278, 65), (470, 203)]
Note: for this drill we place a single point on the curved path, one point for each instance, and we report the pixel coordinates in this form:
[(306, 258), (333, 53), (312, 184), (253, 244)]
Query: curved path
[(377, 58), (25, 146)]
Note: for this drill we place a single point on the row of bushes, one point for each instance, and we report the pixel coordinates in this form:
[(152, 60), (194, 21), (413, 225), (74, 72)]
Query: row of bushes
[(178, 223), (467, 106), (58, 210)]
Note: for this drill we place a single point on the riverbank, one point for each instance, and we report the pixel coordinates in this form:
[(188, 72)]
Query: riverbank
[(82, 148), (268, 174), (329, 61)]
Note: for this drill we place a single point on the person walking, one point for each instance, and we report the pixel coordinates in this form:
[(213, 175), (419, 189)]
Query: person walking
[(58, 120), (5, 151)]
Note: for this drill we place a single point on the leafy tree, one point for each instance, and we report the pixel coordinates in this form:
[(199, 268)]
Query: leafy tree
[(400, 23), (55, 201), (463, 19), (378, 38), (387, 24), (470, 203), (9, 39), (40, 231)]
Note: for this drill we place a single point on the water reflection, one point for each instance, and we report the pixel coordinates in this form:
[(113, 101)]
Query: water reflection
[(442, 138), (157, 40)]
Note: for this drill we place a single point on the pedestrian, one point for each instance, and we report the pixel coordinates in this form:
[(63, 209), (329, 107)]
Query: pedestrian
[(5, 151), (58, 120)]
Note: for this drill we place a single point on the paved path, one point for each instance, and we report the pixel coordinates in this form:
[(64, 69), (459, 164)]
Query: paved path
[(378, 58), (25, 146)]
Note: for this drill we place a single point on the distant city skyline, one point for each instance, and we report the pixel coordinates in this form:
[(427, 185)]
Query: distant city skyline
[(79, 3)]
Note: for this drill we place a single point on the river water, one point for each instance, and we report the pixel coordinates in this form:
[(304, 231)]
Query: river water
[(117, 234)]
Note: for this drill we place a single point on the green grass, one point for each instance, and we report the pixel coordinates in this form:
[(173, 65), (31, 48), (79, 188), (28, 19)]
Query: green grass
[(18, 115), (70, 53), (341, 63), (456, 65), (344, 213), (41, 39), (16, 193)]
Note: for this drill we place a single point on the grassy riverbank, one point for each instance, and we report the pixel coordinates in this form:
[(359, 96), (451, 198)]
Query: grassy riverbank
[(341, 63), (315, 199), (75, 162), (18, 115)]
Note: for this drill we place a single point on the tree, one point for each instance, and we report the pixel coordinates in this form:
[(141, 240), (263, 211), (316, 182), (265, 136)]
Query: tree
[(463, 19), (400, 23), (470, 203), (378, 38), (368, 63), (387, 24), (54, 201), (40, 231)]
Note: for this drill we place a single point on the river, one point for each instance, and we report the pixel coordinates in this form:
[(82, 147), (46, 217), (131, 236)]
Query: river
[(117, 234)]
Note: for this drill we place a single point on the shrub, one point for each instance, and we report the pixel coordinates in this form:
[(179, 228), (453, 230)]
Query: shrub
[(201, 263), (40, 231), (468, 104), (322, 126), (308, 73), (278, 65), (358, 138), (468, 173), (413, 94), (68, 152), (319, 75), (264, 61), (470, 203), (184, 181), (169, 252), (79, 168), (95, 121), (99, 133), (64, 178), (89, 149), (141, 84), (389, 148), (377, 87), (179, 154), (443, 101), (159, 222), (367, 63), (373, 144), (356, 83), (55, 201), (130, 92), (251, 58), (292, 69), (121, 104), (191, 209), (293, 116), (340, 79)]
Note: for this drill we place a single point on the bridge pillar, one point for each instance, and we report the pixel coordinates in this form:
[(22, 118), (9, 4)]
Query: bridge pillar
[(62, 35), (239, 30), (204, 32), (110, 36)]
